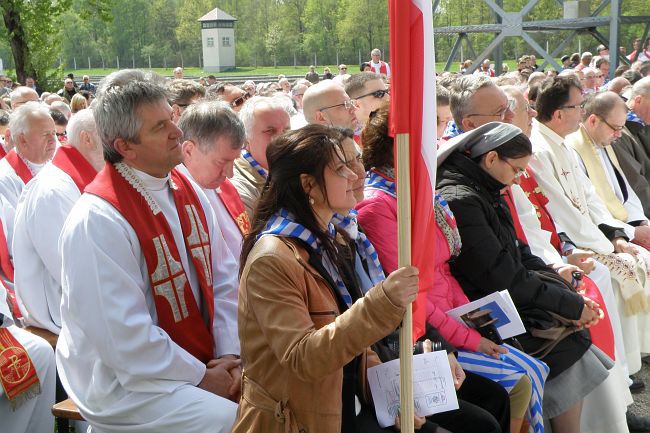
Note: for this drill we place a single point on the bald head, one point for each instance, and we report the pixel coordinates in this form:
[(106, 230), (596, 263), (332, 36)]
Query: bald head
[(326, 103), (22, 94), (618, 84)]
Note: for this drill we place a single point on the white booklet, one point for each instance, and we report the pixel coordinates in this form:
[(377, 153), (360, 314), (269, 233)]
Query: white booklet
[(433, 387), (500, 307)]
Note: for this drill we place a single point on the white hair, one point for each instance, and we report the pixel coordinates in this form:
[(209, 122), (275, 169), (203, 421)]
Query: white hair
[(247, 112), (22, 117), (82, 121), (641, 87)]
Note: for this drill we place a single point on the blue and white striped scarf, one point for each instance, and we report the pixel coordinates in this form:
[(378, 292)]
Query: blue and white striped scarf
[(283, 224), (365, 249), (507, 371), (378, 182), (256, 165), (452, 130), (632, 117)]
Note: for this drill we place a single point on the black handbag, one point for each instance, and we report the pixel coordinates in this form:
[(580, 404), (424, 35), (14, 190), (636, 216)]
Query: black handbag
[(562, 327)]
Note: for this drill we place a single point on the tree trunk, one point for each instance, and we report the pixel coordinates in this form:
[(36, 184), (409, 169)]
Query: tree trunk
[(17, 40)]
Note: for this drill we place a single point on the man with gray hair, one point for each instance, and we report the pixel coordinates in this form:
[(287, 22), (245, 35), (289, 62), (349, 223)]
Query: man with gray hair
[(213, 137), (377, 65), (297, 93), (21, 95), (264, 118), (149, 338), (42, 209), (34, 137), (633, 147), (476, 100)]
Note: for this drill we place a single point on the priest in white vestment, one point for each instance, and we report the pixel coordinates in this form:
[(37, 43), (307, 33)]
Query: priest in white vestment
[(149, 332), (42, 209), (579, 212), (213, 137), (29, 411), (34, 136)]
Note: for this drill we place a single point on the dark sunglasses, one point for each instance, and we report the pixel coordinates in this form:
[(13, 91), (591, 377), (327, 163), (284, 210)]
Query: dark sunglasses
[(240, 101), (379, 94)]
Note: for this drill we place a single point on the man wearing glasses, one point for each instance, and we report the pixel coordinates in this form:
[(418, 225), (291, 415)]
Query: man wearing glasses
[(326, 103), (604, 122), (229, 93), (581, 213), (476, 100), (370, 91), (378, 66), (342, 75), (182, 93)]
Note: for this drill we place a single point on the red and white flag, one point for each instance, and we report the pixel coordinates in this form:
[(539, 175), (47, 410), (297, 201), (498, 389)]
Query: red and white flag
[(413, 112)]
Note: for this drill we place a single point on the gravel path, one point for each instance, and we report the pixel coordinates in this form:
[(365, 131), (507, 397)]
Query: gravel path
[(641, 405)]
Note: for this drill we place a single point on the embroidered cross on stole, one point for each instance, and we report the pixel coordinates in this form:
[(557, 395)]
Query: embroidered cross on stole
[(178, 312)]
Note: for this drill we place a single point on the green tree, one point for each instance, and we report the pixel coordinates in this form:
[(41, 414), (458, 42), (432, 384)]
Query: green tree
[(32, 32)]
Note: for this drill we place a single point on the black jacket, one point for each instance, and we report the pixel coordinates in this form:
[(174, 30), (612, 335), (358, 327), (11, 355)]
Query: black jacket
[(633, 152), (493, 259)]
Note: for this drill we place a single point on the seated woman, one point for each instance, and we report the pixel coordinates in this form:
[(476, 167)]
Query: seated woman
[(304, 325), (483, 404), (475, 168), (378, 216)]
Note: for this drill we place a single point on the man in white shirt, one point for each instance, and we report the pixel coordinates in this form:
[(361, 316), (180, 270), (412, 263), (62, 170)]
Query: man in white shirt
[(42, 209), (149, 333), (34, 136), (212, 139), (378, 66)]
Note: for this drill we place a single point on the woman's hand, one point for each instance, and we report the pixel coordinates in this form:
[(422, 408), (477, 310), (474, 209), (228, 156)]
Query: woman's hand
[(490, 348), (457, 372), (401, 286)]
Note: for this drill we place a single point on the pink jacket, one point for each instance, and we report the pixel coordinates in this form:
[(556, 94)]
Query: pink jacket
[(378, 219)]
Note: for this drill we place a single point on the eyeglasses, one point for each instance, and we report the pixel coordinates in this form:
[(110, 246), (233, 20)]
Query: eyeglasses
[(379, 94), (518, 171), (343, 69), (60, 134), (510, 106), (240, 101), (349, 104), (580, 105), (614, 128)]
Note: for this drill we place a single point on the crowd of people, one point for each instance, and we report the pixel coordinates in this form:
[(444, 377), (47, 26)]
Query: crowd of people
[(207, 257)]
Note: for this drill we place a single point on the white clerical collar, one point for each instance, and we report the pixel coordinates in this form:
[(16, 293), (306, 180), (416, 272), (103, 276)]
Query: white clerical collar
[(548, 132), (33, 167), (150, 182)]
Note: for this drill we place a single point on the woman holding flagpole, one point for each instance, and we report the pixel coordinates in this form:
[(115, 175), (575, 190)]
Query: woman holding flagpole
[(304, 323), (474, 168)]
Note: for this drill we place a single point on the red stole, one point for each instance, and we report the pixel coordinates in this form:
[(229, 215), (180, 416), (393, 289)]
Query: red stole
[(177, 309), (73, 163), (539, 201), (382, 67), (3, 152), (19, 166), (17, 372), (515, 216), (235, 207), (25, 174)]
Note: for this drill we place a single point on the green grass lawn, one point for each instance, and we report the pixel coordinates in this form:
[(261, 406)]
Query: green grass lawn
[(249, 70)]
